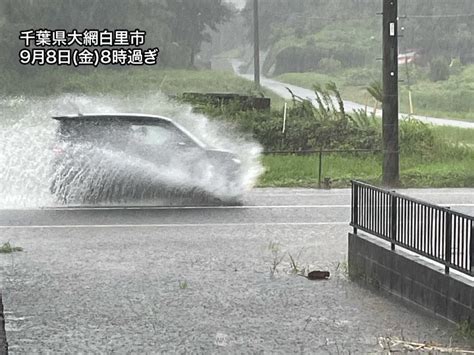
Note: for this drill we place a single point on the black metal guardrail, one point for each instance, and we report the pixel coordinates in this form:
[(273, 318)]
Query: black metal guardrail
[(320, 153), (432, 231)]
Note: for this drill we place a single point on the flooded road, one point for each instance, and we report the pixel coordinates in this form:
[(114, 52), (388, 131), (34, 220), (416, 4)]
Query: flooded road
[(199, 279)]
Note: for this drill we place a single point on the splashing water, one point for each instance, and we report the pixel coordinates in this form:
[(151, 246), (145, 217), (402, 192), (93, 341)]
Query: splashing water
[(28, 135)]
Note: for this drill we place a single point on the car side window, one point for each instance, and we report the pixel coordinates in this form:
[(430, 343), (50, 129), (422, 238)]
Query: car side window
[(159, 135)]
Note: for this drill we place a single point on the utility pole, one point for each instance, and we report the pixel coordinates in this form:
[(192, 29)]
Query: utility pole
[(391, 156), (256, 45)]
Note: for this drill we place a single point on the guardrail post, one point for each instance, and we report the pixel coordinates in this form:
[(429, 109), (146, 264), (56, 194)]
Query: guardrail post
[(320, 166), (448, 241), (393, 220), (471, 248), (355, 206)]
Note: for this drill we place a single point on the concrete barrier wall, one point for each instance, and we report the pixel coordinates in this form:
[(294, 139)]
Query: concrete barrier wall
[(410, 277), (3, 335)]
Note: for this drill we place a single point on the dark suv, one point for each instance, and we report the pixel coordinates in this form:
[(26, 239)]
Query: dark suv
[(117, 157)]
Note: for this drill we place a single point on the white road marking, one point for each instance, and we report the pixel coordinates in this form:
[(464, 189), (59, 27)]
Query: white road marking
[(316, 194), (348, 193), (125, 208), (173, 208), (113, 208), (174, 225)]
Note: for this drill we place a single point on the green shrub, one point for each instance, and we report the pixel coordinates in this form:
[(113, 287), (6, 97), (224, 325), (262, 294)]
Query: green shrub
[(460, 100), (361, 77), (439, 69), (329, 65), (307, 127), (368, 129), (455, 67), (176, 56), (416, 137), (328, 126), (298, 59)]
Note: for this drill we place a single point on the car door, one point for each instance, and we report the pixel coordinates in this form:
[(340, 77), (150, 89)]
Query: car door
[(165, 145)]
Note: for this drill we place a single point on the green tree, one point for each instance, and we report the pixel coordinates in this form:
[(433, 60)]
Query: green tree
[(439, 69), (168, 23), (190, 19)]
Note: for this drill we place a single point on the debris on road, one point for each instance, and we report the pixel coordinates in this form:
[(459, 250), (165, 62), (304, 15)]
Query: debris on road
[(400, 345), (317, 275)]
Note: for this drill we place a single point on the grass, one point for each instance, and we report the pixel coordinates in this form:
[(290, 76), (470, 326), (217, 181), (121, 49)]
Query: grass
[(452, 98), (453, 135), (294, 170), (295, 268), (436, 103), (7, 248), (128, 81), (466, 330), (342, 268), (277, 257)]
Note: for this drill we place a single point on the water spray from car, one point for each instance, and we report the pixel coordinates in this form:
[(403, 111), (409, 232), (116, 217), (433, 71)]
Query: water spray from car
[(94, 153)]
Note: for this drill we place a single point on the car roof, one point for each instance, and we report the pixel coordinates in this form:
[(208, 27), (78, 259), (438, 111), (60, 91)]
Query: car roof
[(132, 117), (120, 116)]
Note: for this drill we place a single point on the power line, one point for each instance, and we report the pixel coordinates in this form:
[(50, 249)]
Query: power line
[(339, 18), (331, 18)]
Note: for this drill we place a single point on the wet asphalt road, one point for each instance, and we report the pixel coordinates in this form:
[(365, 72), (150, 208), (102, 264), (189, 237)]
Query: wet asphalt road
[(199, 279)]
